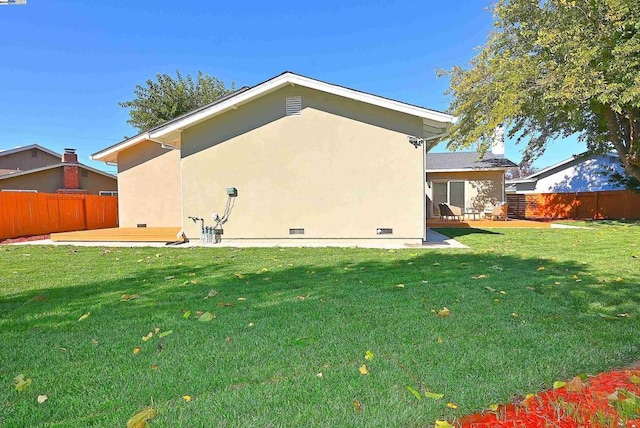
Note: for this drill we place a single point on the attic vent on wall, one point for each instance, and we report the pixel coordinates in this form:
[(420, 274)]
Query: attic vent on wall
[(293, 106)]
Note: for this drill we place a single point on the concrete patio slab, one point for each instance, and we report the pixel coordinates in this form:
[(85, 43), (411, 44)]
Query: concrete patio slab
[(435, 240)]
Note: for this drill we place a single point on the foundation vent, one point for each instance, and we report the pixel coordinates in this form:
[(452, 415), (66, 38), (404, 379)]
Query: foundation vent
[(299, 231), (293, 106), (384, 231)]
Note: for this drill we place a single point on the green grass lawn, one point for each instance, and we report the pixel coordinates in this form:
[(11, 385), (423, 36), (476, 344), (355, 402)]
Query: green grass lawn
[(292, 326)]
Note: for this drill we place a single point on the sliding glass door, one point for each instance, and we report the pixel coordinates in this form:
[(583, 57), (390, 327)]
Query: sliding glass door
[(440, 193), (450, 192)]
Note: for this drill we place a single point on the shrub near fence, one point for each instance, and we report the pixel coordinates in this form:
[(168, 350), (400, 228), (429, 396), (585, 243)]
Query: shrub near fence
[(617, 204), (25, 214)]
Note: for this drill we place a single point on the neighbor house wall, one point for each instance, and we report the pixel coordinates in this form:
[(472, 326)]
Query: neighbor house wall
[(341, 169), (94, 183), (149, 186), (51, 180), (481, 187), (47, 181), (25, 160), (581, 175)]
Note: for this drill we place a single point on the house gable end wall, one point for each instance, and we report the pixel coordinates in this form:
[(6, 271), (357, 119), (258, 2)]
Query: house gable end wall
[(339, 170), (45, 181), (149, 186), (94, 183)]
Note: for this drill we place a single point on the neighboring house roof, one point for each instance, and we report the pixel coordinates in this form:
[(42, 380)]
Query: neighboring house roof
[(58, 165), (465, 161), (548, 170), (29, 147), (434, 122), (579, 173)]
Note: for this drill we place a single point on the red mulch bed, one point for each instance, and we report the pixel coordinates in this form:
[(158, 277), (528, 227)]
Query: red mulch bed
[(604, 401), (25, 239)]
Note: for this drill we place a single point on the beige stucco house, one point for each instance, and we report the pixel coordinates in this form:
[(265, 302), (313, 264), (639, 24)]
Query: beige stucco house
[(289, 158)]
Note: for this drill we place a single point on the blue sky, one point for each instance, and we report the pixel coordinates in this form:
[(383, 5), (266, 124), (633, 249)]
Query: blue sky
[(65, 65)]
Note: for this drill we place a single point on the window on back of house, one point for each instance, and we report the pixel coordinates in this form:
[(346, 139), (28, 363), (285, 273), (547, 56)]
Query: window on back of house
[(456, 193)]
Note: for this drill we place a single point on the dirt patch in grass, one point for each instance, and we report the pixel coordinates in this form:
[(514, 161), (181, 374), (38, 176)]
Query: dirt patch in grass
[(24, 239)]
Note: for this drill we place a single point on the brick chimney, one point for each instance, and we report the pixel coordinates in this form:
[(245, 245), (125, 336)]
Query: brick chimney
[(69, 156), (71, 179)]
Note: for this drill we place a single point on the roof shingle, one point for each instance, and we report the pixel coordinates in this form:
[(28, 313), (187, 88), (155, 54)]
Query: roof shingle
[(466, 160)]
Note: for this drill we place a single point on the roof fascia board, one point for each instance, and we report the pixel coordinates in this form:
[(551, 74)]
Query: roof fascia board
[(119, 147), (523, 180), (372, 99), (264, 88), (294, 79)]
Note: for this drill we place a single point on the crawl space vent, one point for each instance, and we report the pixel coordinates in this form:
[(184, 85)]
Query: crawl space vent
[(384, 231), (299, 231), (293, 106)]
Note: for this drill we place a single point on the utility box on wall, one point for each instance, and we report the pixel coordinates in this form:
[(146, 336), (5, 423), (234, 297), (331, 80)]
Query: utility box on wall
[(232, 191)]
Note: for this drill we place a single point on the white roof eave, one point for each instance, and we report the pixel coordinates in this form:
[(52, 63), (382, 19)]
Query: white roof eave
[(110, 154), (522, 180), (177, 125), (294, 79)]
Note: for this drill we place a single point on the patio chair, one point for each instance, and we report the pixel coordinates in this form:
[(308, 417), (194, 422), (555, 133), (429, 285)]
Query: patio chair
[(450, 211), (499, 212)]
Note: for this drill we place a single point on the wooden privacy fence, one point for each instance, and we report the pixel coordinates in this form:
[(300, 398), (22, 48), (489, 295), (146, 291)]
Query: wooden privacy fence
[(617, 204), (25, 214)]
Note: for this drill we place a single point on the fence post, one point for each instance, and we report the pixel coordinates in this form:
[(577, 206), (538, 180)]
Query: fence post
[(86, 214)]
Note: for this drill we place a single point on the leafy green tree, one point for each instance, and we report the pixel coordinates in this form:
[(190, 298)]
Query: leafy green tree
[(167, 98), (554, 68)]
